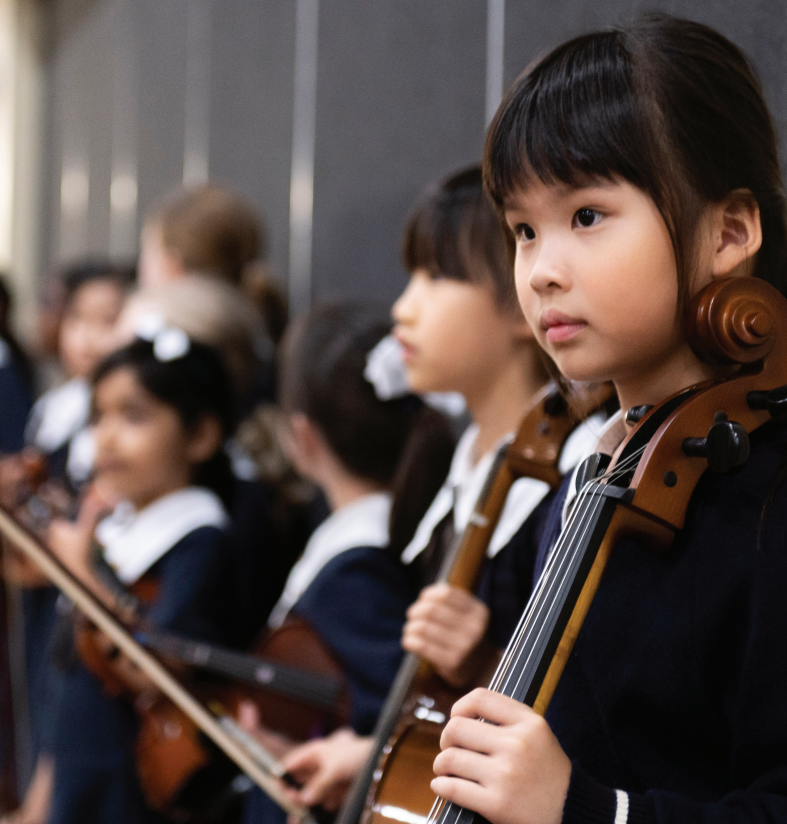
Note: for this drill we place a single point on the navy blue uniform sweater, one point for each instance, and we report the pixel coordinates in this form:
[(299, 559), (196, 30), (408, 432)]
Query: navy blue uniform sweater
[(93, 746), (676, 691), (357, 605)]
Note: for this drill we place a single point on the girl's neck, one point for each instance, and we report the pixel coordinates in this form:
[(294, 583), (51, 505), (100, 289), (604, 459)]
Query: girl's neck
[(682, 370), (343, 488), (498, 406)]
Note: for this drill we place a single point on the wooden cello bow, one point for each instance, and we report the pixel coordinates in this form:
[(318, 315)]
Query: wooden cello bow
[(263, 769), (408, 730), (645, 488)]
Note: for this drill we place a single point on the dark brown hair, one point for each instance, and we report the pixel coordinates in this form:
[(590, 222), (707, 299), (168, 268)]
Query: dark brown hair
[(454, 232), (195, 385), (667, 104), (400, 444)]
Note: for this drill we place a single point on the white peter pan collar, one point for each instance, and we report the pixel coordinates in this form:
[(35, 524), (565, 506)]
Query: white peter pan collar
[(461, 490), (59, 414), (134, 541), (364, 522)]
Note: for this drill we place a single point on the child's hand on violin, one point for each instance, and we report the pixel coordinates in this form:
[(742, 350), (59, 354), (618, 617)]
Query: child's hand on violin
[(511, 770), (71, 541), (447, 626), (326, 767)]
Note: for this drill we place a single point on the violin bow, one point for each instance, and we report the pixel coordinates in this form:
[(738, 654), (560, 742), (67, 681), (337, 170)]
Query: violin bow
[(265, 776)]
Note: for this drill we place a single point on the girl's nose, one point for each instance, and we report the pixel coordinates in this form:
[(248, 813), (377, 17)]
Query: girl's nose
[(548, 269), (403, 310)]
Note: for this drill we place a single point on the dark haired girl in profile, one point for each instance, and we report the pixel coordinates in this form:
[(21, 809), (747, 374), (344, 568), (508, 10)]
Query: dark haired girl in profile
[(379, 462), (460, 330), (633, 168), (162, 409)]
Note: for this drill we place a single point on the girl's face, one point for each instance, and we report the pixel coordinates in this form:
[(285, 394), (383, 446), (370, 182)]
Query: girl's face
[(597, 281), (143, 450), (86, 333), (454, 334)]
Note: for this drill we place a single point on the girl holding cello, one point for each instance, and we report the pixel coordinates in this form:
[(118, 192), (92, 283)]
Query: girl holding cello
[(162, 409), (635, 167), (460, 330)]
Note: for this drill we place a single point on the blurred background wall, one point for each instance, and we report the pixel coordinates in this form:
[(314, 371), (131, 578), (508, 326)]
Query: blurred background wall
[(331, 115)]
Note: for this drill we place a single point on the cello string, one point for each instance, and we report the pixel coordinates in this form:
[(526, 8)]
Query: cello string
[(555, 565), (563, 555), (559, 555), (531, 646)]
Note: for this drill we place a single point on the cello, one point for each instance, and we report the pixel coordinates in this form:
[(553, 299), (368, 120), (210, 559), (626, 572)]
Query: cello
[(408, 731), (645, 488)]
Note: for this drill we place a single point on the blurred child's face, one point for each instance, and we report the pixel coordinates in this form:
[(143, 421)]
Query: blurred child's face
[(143, 450), (454, 335), (157, 265), (86, 331)]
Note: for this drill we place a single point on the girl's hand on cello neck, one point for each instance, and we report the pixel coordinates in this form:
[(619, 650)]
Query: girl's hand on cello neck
[(447, 626), (511, 770), (326, 767)]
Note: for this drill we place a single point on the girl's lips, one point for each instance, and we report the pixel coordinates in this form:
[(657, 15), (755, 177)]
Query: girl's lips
[(560, 327), (564, 332), (408, 350)]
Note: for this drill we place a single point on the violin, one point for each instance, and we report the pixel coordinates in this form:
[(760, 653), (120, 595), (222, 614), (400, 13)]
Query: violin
[(183, 716), (645, 487), (407, 737)]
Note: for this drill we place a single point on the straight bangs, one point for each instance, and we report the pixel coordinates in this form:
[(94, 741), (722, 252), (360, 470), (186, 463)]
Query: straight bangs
[(455, 232), (572, 119)]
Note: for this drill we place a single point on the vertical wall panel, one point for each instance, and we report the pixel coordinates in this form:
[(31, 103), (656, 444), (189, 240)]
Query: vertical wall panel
[(251, 109), (163, 27), (400, 99)]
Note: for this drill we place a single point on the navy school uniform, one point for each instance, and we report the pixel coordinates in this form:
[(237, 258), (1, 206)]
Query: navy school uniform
[(506, 577), (92, 746), (16, 402), (56, 426), (672, 705), (355, 595)]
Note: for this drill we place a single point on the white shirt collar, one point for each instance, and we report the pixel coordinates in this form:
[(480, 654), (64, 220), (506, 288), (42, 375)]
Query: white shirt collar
[(59, 414), (134, 541), (461, 490), (364, 522)]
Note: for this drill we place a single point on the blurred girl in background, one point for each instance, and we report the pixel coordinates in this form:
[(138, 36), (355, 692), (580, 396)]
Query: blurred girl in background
[(378, 463)]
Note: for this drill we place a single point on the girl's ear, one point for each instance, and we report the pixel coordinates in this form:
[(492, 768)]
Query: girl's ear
[(204, 440), (303, 443), (737, 234)]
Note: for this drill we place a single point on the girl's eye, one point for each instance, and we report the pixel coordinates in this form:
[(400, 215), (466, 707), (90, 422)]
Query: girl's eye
[(586, 217), (524, 231)]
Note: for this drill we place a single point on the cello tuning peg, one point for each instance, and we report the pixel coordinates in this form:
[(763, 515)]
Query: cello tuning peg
[(637, 413), (726, 447), (774, 401)]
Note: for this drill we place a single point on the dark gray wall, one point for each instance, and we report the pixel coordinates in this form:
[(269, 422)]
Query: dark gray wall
[(400, 100)]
